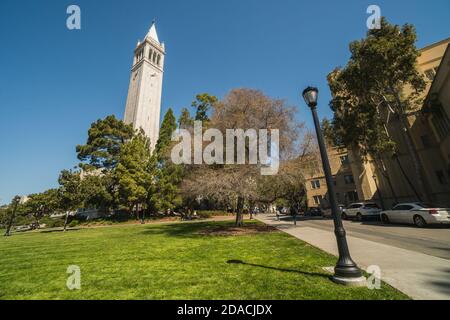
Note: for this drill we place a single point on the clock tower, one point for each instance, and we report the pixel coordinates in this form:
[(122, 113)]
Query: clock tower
[(143, 106)]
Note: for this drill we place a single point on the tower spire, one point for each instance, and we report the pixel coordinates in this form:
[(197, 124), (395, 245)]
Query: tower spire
[(152, 32)]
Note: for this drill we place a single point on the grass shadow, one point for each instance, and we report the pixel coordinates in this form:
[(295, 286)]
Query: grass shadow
[(313, 274), (59, 230), (191, 229)]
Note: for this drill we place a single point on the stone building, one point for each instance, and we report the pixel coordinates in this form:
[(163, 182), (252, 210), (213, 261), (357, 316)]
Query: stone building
[(344, 181)]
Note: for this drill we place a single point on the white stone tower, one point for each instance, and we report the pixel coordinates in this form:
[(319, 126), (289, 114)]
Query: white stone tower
[(143, 106)]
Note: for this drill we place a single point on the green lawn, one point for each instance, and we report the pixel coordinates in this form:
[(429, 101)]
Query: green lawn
[(169, 261)]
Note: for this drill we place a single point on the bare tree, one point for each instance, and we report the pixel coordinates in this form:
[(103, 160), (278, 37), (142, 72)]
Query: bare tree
[(238, 183)]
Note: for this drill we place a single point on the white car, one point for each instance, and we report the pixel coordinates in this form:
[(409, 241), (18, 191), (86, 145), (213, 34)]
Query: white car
[(417, 213), (361, 210)]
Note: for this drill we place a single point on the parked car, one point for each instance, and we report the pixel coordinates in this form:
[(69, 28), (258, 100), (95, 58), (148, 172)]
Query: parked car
[(313, 212), (361, 210), (326, 213), (420, 214)]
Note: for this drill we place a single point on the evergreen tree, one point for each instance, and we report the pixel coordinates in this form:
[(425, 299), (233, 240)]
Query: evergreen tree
[(168, 126), (42, 204), (98, 191), (69, 192), (102, 148), (135, 173), (381, 78), (168, 174), (185, 121), (203, 103)]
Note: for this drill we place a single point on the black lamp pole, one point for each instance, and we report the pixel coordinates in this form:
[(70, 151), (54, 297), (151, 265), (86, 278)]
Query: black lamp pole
[(346, 268)]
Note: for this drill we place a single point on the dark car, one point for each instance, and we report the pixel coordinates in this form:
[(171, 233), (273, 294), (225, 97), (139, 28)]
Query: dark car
[(313, 212)]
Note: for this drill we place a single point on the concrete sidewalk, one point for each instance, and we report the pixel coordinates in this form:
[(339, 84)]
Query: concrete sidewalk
[(418, 275)]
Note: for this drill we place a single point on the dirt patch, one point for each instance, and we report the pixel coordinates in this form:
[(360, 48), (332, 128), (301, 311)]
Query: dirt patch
[(237, 231)]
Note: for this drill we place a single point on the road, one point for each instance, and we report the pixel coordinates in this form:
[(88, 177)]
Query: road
[(434, 241)]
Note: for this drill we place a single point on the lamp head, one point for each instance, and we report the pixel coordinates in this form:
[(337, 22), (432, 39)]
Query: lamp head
[(311, 95)]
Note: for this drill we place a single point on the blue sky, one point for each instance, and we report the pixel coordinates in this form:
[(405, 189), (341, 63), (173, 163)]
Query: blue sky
[(55, 82)]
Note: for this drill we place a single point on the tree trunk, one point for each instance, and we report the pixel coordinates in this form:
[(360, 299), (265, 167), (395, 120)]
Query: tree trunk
[(11, 220), (65, 221), (382, 168), (132, 213), (142, 216), (418, 167), (239, 215), (405, 175)]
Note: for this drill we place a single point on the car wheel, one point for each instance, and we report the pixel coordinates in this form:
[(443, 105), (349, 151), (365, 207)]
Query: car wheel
[(419, 221), (384, 219), (344, 216), (359, 217)]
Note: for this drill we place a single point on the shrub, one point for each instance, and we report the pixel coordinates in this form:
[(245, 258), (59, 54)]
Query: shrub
[(53, 222), (211, 213), (73, 223)]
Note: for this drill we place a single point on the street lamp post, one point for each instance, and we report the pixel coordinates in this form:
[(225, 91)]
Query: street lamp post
[(346, 271)]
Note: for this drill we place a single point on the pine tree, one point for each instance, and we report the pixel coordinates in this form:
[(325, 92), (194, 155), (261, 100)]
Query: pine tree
[(69, 192), (102, 148), (374, 83), (185, 121), (134, 173), (203, 103), (168, 174), (168, 126)]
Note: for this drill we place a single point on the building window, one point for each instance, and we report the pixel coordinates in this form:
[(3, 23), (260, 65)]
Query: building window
[(425, 141), (441, 177), (317, 200), (430, 74), (344, 160), (150, 54), (315, 184), (158, 60), (440, 121), (349, 179), (352, 196)]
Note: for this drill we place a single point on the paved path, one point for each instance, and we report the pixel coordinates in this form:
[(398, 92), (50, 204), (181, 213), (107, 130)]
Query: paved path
[(419, 275)]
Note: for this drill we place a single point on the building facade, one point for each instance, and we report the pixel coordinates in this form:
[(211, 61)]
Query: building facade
[(143, 106), (345, 183), (429, 129), (393, 179)]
